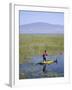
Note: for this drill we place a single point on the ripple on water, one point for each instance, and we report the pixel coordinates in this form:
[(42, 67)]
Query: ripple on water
[(32, 70)]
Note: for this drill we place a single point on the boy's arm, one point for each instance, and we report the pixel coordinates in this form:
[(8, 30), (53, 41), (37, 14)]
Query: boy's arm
[(46, 54)]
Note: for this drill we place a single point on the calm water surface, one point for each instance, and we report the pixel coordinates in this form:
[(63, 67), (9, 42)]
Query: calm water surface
[(33, 70)]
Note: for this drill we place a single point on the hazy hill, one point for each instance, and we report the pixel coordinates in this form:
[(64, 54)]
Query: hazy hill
[(41, 28)]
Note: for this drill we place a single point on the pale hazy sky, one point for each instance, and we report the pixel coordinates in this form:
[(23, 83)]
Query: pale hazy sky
[(27, 17)]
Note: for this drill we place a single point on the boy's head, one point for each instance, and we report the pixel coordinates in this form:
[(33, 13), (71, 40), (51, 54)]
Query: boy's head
[(45, 50)]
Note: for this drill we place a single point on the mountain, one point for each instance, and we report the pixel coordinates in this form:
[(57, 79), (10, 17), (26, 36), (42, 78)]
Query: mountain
[(41, 28)]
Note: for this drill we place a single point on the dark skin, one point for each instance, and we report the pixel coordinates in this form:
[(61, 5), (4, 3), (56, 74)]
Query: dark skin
[(44, 55)]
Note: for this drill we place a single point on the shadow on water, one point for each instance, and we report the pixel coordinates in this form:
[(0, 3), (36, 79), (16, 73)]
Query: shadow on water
[(34, 70), (44, 68)]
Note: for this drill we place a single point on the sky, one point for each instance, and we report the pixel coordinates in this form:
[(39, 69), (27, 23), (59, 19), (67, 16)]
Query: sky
[(28, 17)]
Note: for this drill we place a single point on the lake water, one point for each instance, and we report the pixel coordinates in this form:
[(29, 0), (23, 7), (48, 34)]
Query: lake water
[(33, 70)]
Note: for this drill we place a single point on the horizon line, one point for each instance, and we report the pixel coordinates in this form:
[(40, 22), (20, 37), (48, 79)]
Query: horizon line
[(41, 22), (42, 33)]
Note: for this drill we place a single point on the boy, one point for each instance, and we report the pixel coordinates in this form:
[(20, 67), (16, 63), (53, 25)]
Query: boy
[(44, 55)]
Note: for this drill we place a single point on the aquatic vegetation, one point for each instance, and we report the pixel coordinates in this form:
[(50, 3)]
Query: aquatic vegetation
[(34, 44)]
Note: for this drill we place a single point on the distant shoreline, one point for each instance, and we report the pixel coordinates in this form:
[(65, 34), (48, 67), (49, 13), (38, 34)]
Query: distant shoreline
[(50, 34)]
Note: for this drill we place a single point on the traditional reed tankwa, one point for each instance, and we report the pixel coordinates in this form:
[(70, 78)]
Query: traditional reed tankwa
[(48, 62)]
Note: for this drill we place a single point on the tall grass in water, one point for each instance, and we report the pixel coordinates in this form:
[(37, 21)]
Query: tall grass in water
[(34, 45)]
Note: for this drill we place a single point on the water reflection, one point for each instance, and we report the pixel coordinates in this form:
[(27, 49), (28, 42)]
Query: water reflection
[(44, 68), (34, 70)]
